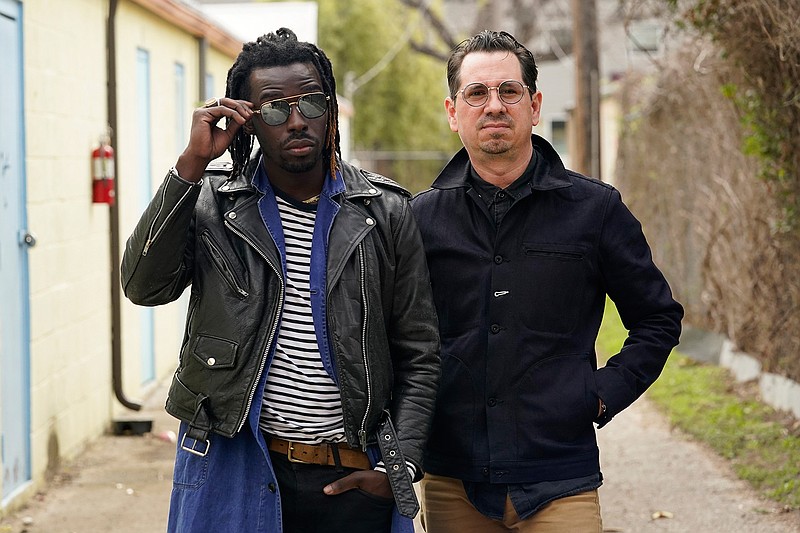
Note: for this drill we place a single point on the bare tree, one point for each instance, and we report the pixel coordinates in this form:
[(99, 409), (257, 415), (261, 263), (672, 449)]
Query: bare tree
[(539, 24)]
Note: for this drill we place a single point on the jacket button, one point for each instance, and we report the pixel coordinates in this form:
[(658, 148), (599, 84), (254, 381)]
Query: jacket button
[(485, 472), (271, 487), (495, 328), (370, 222), (373, 191), (211, 361), (232, 215), (492, 402), (224, 188), (498, 259)]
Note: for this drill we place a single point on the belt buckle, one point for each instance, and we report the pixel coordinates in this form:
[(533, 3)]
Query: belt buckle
[(293, 459), (193, 448)]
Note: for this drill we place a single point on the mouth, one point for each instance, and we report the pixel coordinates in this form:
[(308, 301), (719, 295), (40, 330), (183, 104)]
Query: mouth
[(495, 126), (299, 147)]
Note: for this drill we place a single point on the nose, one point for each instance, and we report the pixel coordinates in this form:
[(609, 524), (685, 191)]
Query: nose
[(296, 120), (494, 103)]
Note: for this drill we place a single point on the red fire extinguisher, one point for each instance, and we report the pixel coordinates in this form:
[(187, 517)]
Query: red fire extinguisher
[(103, 173)]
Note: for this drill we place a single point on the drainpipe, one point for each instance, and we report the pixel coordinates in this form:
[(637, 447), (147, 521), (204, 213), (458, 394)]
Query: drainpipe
[(116, 307)]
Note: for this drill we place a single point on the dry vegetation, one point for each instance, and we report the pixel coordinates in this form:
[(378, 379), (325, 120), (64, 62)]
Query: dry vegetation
[(709, 159)]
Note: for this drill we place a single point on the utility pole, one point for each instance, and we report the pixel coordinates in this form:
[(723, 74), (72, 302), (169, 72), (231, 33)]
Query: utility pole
[(586, 116)]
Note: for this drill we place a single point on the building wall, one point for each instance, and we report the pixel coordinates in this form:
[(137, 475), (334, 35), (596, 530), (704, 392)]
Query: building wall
[(138, 29), (65, 84), (65, 113)]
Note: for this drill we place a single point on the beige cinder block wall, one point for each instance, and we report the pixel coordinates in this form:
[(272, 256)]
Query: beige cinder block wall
[(65, 94)]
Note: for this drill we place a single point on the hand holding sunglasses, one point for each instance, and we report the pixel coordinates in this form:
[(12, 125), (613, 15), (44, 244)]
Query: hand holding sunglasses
[(311, 105)]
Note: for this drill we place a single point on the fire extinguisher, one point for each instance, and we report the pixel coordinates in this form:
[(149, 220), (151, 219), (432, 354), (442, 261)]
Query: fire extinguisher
[(103, 173)]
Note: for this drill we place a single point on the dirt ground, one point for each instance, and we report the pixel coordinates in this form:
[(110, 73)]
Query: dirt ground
[(122, 485)]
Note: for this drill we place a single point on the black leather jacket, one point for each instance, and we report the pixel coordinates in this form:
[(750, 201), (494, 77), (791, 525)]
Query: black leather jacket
[(380, 313)]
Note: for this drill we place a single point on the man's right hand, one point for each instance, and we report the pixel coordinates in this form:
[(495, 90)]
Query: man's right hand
[(207, 141)]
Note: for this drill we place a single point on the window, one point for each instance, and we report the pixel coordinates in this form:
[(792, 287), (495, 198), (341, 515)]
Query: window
[(180, 108), (558, 137), (644, 37)]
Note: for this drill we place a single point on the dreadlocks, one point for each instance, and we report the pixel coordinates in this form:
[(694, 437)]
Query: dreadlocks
[(280, 49)]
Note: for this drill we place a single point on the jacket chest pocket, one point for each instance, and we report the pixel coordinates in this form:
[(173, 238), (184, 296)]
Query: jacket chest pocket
[(554, 283), (223, 265)]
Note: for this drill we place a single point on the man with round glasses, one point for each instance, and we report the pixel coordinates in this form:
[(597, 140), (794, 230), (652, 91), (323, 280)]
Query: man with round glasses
[(522, 255), (308, 372)]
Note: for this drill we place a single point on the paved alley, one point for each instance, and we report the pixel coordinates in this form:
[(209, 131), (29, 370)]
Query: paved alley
[(122, 484)]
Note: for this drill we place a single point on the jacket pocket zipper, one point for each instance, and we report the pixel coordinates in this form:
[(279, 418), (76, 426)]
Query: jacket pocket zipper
[(223, 266)]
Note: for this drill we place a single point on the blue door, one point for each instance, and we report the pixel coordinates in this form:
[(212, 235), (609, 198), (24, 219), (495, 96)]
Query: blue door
[(145, 181), (14, 327)]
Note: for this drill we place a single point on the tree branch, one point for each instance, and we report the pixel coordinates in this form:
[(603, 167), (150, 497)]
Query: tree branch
[(434, 20), (429, 51)]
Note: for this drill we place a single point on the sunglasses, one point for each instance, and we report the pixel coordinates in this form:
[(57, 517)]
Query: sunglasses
[(310, 105)]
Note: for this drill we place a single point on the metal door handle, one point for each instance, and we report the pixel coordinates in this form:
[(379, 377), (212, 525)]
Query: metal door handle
[(28, 239)]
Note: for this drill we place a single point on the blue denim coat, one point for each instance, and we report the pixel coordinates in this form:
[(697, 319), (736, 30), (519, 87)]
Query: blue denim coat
[(233, 488)]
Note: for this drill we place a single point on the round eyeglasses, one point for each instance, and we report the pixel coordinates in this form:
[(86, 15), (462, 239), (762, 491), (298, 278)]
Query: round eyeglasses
[(477, 94), (311, 105)]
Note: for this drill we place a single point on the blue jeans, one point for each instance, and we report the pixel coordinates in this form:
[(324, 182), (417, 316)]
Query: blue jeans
[(306, 509)]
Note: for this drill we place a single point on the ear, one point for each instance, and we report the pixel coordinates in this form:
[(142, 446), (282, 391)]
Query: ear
[(248, 127), (452, 119), (536, 107)]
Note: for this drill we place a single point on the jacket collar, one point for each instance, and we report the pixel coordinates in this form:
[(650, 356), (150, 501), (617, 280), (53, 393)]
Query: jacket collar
[(351, 182), (356, 184), (551, 173)]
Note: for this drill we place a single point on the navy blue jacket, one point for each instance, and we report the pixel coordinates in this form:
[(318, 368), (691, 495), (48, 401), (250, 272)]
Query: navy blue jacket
[(520, 305)]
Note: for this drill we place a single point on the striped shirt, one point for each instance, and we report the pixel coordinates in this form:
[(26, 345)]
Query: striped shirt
[(301, 401)]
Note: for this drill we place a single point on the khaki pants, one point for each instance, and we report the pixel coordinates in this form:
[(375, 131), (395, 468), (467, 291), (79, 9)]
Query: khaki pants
[(446, 509)]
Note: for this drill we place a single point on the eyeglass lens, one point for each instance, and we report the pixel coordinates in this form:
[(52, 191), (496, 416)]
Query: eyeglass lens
[(311, 105), (477, 94)]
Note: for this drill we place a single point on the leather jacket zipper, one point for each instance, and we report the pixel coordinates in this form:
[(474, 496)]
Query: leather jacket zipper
[(362, 433), (223, 265), (274, 324), (151, 236)]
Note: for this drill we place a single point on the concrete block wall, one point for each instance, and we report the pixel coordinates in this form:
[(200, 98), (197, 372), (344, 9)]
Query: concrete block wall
[(777, 391), (65, 113), (139, 29), (65, 97)]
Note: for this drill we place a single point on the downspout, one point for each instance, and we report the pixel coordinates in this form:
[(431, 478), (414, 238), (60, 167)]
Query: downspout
[(116, 307)]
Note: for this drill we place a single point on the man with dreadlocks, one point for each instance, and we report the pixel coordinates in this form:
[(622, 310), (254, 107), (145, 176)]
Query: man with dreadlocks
[(308, 372)]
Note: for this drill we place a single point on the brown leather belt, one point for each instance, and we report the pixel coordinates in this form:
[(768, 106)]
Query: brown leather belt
[(321, 454)]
